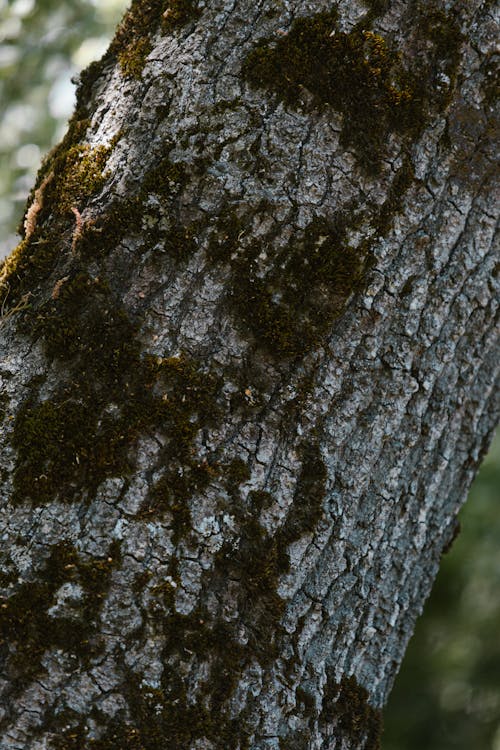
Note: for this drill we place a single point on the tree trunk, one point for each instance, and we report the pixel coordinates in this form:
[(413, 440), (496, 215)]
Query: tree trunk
[(247, 373)]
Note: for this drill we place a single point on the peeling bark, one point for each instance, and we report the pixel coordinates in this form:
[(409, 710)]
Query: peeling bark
[(248, 369)]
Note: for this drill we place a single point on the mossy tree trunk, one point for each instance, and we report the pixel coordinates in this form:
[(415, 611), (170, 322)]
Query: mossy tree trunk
[(247, 373)]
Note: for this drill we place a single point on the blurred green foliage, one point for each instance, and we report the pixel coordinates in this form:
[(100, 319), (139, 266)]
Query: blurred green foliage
[(447, 695)]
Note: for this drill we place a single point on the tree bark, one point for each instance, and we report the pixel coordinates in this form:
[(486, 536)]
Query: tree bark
[(248, 370)]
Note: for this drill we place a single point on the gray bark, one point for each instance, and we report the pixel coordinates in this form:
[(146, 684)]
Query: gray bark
[(227, 544)]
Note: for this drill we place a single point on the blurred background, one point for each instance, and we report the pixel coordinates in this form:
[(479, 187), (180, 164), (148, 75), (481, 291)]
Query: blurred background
[(447, 695)]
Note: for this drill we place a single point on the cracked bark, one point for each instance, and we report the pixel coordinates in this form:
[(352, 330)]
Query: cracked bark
[(245, 566)]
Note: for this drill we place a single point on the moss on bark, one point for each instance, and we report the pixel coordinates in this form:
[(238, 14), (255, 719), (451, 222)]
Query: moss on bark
[(362, 75), (346, 709), (28, 622)]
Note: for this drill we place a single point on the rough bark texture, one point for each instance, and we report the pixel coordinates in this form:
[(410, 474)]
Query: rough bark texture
[(247, 373)]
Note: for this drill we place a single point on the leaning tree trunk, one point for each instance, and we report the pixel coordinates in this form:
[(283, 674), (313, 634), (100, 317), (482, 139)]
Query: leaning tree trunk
[(247, 373)]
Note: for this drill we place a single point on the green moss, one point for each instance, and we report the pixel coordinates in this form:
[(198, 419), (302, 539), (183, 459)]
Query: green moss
[(173, 715), (236, 473), (158, 718), (133, 58), (132, 41), (256, 565), (84, 91), (86, 431), (125, 218), (75, 437), (377, 7), (180, 12), (442, 30), (74, 173), (77, 128), (172, 494), (362, 75), (190, 403), (71, 733), (306, 509), (165, 716), (4, 402), (86, 320), (26, 624), (166, 179), (296, 741), (70, 177), (113, 392), (393, 204), (306, 701), (141, 19), (101, 236), (290, 308), (357, 73), (54, 443), (346, 707), (21, 272), (78, 175), (491, 80)]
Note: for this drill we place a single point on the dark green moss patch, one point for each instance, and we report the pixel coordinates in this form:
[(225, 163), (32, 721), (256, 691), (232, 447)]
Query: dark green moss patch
[(180, 12), (133, 58), (175, 714), (141, 19), (78, 175), (22, 271), (291, 306), (307, 507), (132, 41), (346, 707), (67, 181), (172, 494), (393, 203), (180, 720), (362, 75), (86, 431), (190, 404), (237, 472), (491, 80), (441, 31), (377, 7), (54, 443), (75, 438), (296, 741), (4, 402), (256, 565), (27, 626), (125, 218), (85, 320), (72, 174), (160, 718), (103, 235), (113, 392), (165, 179), (306, 701)]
